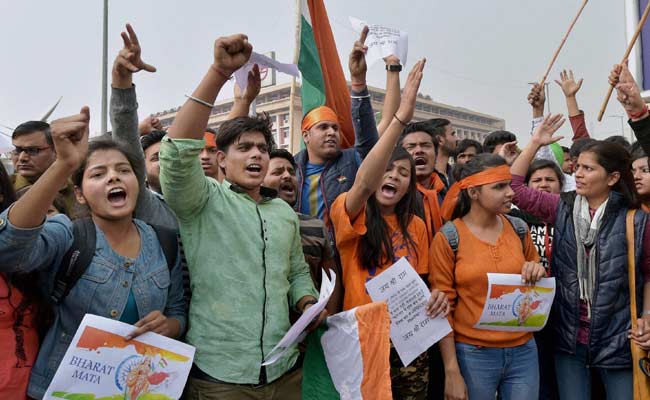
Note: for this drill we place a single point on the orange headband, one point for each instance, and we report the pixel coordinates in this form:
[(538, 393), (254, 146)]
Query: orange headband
[(318, 114), (491, 175), (210, 139)]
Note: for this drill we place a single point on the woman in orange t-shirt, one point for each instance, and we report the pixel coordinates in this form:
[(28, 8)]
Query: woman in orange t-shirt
[(375, 224), (481, 363)]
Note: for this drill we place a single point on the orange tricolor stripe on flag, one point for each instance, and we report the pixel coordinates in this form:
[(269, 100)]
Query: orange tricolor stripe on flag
[(323, 81)]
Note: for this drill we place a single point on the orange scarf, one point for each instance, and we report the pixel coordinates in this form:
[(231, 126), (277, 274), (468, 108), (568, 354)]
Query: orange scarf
[(491, 175), (432, 216), (318, 114)]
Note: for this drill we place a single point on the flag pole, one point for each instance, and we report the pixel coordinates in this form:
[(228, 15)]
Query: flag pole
[(105, 69), (292, 96), (557, 52), (644, 17)]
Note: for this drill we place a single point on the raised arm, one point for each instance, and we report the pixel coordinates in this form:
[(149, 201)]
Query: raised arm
[(542, 205), (70, 137), (570, 89), (363, 117), (230, 53), (124, 106), (537, 99), (243, 100), (371, 171), (392, 98), (629, 95)]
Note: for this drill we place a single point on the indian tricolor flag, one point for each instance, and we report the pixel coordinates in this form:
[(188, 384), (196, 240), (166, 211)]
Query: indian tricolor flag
[(351, 359), (323, 82)]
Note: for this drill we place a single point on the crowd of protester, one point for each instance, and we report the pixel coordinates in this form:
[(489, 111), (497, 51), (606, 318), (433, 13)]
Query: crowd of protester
[(219, 239)]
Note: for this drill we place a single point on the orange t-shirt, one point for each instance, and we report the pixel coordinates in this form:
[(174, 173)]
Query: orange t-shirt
[(17, 359), (465, 281), (348, 235)]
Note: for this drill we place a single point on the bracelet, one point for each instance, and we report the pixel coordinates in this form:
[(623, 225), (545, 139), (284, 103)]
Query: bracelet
[(308, 302), (220, 72), (645, 312), (360, 97), (399, 120), (639, 114), (203, 102)]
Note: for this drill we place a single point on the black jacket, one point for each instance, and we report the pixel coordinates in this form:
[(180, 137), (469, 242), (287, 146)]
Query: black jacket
[(608, 345)]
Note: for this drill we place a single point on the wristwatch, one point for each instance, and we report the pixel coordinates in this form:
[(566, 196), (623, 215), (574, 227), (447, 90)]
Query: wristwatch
[(394, 67)]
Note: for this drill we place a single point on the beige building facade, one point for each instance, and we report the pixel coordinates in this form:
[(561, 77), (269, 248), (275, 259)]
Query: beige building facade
[(276, 101)]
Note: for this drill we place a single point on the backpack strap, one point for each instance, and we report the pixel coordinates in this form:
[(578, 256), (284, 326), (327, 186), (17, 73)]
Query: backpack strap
[(76, 259), (520, 226), (169, 242), (451, 234)]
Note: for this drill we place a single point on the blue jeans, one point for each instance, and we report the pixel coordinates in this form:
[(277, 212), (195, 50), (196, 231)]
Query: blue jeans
[(512, 372), (574, 377)]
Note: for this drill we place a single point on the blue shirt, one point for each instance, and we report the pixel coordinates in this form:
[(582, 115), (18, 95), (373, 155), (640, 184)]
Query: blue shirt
[(312, 197)]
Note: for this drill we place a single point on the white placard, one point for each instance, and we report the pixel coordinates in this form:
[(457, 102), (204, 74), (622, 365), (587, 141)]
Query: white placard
[(241, 75), (100, 363), (411, 330), (514, 306), (382, 41), (297, 331)]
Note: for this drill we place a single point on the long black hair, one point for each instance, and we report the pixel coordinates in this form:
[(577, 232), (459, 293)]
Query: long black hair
[(7, 194), (33, 299), (615, 158), (376, 246), (479, 163)]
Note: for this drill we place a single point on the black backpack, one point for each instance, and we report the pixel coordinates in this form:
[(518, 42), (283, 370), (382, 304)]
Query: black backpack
[(451, 233), (78, 257)]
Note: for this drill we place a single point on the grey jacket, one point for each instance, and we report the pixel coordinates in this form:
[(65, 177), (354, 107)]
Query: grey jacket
[(151, 208)]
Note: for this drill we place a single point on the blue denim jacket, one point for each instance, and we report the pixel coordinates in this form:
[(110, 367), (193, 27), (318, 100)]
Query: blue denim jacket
[(103, 289)]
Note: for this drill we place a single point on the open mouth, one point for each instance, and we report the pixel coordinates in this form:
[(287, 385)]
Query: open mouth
[(287, 188), (389, 190), (420, 161), (254, 168), (330, 142), (117, 197)]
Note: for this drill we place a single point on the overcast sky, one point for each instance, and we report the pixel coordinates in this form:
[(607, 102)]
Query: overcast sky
[(481, 54)]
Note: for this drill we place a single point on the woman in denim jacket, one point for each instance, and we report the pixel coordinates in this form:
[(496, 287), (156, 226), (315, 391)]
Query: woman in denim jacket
[(128, 278)]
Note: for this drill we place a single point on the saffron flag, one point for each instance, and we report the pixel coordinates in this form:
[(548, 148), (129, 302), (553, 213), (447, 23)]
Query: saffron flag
[(323, 81), (352, 358)]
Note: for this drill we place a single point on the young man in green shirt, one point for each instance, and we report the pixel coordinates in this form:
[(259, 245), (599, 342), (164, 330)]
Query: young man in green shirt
[(243, 246)]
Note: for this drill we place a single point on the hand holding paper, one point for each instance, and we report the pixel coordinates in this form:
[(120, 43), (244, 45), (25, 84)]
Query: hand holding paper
[(382, 41), (311, 313), (242, 74)]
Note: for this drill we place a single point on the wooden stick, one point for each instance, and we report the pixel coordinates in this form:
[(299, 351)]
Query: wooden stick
[(557, 52), (627, 54)]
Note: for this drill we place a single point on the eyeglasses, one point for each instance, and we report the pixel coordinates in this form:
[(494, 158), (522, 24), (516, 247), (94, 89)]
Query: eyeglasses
[(30, 150)]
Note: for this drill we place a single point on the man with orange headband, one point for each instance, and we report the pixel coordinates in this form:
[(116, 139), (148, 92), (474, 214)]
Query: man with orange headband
[(208, 156), (324, 170)]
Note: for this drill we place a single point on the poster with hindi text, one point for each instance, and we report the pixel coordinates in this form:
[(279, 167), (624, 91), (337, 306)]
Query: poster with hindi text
[(514, 306), (101, 365), (412, 331)]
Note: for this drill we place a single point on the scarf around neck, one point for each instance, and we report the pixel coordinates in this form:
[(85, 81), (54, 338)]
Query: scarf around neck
[(586, 232)]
